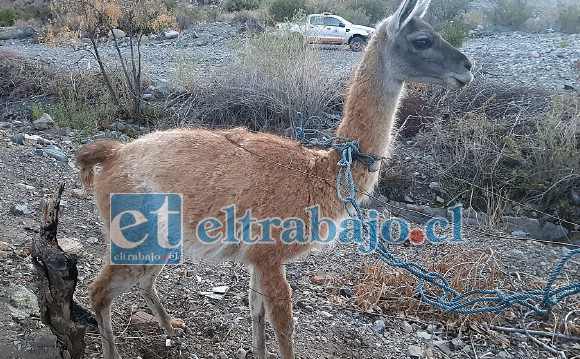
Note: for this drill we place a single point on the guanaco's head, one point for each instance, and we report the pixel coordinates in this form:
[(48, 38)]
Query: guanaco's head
[(416, 53)]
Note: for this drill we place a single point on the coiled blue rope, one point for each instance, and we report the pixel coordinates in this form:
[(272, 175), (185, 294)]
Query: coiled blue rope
[(540, 301)]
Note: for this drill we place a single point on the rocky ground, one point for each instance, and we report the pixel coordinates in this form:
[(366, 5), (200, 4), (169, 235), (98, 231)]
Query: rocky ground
[(330, 322)]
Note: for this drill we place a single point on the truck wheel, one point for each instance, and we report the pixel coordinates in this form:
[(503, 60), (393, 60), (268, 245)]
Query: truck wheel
[(357, 43)]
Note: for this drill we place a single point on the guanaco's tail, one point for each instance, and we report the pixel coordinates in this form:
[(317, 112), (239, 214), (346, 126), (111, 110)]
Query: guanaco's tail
[(89, 155)]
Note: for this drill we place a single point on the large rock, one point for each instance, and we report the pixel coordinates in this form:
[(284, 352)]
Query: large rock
[(531, 226), (14, 33), (170, 34), (22, 303), (554, 232), (56, 153), (116, 33), (44, 122)]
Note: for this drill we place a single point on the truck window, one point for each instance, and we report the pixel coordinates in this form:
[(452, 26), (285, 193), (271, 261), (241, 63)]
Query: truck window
[(316, 20), (330, 21)]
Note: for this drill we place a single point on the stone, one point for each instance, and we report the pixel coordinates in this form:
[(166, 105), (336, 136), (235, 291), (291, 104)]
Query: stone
[(520, 234), (408, 328), (17, 139), (45, 340), (142, 320), (575, 198), (26, 187), (78, 193), (535, 54), (56, 154), (377, 203), (408, 199), (325, 314), (457, 343), (35, 139), (71, 245), (44, 122), (529, 225), (415, 351), (236, 310), (116, 33), (435, 185), (170, 34), (318, 279), (443, 345), (119, 126), (15, 33), (223, 355), (554, 232), (379, 326), (19, 209), (345, 292), (424, 335), (240, 354), (92, 240), (22, 303)]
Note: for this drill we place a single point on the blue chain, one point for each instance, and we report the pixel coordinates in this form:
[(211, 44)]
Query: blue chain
[(451, 300)]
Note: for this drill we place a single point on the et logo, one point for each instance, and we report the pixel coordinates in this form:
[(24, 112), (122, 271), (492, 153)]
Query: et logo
[(146, 228)]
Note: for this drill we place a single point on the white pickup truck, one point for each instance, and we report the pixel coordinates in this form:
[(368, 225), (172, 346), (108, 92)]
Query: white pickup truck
[(327, 28)]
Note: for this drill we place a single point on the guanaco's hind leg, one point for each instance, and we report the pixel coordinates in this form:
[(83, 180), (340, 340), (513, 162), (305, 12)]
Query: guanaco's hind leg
[(114, 280), (111, 282), (277, 296), (147, 287), (258, 314)]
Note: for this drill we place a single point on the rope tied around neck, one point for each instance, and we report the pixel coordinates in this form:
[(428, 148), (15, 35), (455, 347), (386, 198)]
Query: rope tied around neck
[(349, 151)]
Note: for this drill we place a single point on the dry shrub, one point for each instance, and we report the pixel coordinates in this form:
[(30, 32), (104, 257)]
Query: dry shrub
[(275, 76), (25, 77), (497, 139), (394, 290), (78, 97)]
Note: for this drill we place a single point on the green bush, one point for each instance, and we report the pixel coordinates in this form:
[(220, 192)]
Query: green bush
[(282, 10), (569, 17), (375, 10), (356, 16), (455, 32), (510, 13), (442, 11), (239, 5), (9, 16)]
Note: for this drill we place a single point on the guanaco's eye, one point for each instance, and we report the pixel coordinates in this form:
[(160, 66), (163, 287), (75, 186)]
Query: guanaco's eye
[(422, 44)]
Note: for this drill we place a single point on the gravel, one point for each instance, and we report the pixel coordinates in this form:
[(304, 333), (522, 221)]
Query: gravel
[(529, 59)]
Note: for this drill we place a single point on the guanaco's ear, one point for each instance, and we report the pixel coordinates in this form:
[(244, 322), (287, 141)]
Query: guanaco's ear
[(407, 10)]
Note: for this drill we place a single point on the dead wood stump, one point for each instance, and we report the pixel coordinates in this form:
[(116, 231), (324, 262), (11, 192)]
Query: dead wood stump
[(57, 278)]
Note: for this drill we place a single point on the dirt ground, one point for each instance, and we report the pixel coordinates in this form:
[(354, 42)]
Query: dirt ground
[(329, 321)]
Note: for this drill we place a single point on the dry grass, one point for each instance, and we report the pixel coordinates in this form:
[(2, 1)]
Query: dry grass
[(394, 292)]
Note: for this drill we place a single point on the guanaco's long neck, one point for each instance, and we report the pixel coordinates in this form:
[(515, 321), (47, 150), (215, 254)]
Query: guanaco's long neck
[(371, 102)]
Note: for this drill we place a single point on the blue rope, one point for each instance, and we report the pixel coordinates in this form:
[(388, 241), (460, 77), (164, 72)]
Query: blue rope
[(451, 300), (349, 150)]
